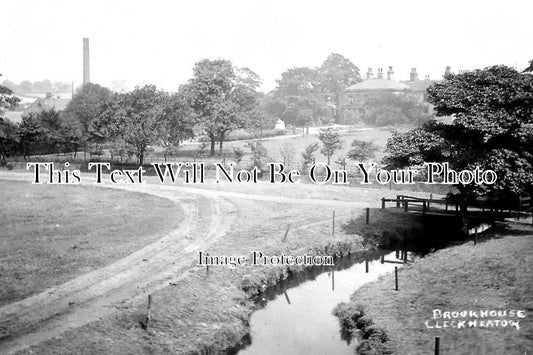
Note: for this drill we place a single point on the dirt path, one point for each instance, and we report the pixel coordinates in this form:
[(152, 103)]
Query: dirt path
[(87, 298)]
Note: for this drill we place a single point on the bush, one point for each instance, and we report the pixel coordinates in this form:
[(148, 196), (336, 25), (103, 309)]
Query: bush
[(241, 135)]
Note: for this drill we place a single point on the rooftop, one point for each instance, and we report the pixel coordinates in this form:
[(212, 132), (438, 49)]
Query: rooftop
[(378, 85)]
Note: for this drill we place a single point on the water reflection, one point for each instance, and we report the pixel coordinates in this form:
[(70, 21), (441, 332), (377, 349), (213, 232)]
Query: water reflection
[(301, 321)]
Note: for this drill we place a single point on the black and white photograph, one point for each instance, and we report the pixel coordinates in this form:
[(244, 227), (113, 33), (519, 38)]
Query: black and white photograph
[(266, 177)]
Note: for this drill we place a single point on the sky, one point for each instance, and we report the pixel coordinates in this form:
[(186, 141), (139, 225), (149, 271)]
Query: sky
[(157, 42)]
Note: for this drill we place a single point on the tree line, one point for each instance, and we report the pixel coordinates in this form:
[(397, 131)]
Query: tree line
[(217, 100)]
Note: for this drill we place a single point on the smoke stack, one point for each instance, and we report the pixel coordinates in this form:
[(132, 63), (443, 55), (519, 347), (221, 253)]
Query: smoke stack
[(390, 73), (380, 73), (413, 76), (369, 74), (86, 66)]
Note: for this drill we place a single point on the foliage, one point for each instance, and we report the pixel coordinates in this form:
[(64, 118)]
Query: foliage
[(298, 99), (48, 132), (38, 86), (387, 109), (177, 123), (331, 142), (336, 74), (240, 135), (7, 99), (259, 155), (135, 118), (200, 150), (287, 152), (220, 97), (309, 155), (492, 129), (362, 150), (87, 104), (529, 69), (9, 139), (238, 154)]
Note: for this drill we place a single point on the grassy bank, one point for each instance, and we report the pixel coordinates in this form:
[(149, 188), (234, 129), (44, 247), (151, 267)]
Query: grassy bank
[(492, 275), (208, 313)]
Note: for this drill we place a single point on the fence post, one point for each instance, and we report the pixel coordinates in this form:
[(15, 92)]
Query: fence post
[(367, 215), (382, 202), (333, 224), (437, 345), (286, 233), (148, 312), (366, 266), (396, 277), (405, 206), (397, 201)]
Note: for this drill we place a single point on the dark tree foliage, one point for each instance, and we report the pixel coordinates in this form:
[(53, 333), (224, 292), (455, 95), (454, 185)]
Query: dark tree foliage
[(492, 129), (222, 97), (331, 142), (132, 120), (335, 75), (362, 150), (87, 104), (9, 140)]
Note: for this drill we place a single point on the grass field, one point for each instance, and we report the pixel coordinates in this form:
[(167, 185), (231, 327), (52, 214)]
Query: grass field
[(200, 311), (296, 145), (49, 234), (493, 275)]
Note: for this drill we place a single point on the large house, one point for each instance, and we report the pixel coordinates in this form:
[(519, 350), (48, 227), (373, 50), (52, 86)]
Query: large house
[(381, 85)]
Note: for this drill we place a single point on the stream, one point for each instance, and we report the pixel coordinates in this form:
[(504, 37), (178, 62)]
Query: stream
[(296, 315)]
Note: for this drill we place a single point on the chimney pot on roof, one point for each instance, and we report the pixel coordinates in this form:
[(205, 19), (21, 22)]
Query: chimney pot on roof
[(48, 95), (448, 70), (390, 74), (380, 73), (369, 74), (413, 76)]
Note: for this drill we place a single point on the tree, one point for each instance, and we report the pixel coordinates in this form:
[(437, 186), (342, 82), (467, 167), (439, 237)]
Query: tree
[(309, 155), (221, 98), (287, 152), (134, 118), (492, 129), (259, 155), (298, 99), (42, 133), (87, 104), (388, 109), (362, 150), (9, 140), (336, 74), (177, 123), (7, 99), (331, 142), (529, 69)]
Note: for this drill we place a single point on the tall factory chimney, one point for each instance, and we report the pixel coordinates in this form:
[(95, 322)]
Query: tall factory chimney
[(86, 67)]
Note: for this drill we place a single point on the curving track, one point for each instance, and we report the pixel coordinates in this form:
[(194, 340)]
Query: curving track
[(94, 295)]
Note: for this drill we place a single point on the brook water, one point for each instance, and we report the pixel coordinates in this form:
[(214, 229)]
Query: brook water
[(296, 315)]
